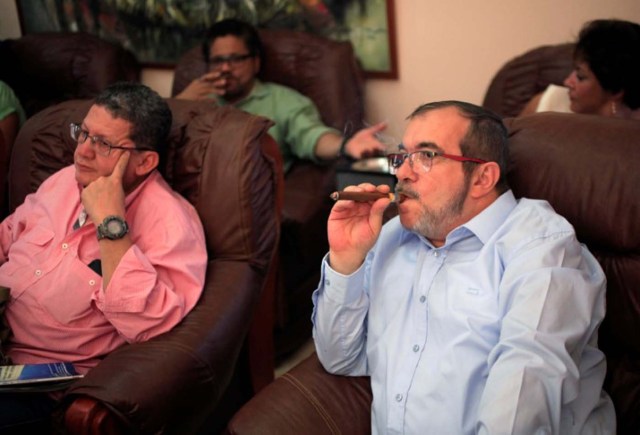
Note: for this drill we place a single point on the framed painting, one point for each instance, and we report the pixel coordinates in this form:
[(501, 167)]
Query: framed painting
[(368, 24), (159, 31)]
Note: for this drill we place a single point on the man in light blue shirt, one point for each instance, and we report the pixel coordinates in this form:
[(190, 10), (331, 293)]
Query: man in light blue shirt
[(472, 312)]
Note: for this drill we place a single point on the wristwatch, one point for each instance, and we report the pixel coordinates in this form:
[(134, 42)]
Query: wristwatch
[(112, 228)]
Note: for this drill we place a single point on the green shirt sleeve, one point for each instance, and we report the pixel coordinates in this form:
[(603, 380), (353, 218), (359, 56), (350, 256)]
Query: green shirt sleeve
[(297, 122), (9, 103)]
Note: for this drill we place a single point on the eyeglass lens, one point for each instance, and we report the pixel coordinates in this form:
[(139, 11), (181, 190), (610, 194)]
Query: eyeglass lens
[(232, 59), (101, 146), (417, 160)]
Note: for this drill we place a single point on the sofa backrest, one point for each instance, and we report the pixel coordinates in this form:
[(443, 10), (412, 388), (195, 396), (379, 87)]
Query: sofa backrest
[(47, 68), (527, 75), (587, 167)]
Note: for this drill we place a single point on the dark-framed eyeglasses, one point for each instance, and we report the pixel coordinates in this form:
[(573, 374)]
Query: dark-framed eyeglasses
[(423, 159), (100, 145), (233, 60)]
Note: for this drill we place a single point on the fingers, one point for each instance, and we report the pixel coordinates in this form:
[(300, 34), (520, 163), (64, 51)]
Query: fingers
[(202, 87), (121, 166), (210, 76), (377, 128)]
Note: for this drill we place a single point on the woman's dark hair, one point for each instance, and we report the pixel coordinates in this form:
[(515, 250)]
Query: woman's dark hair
[(237, 28), (611, 48), (145, 109), (485, 139)]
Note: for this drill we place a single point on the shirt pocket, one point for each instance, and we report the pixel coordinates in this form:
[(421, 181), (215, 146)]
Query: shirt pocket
[(22, 268), (473, 299), (476, 310), (71, 303)]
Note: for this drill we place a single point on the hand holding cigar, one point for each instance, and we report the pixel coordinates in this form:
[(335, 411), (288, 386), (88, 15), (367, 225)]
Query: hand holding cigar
[(361, 196)]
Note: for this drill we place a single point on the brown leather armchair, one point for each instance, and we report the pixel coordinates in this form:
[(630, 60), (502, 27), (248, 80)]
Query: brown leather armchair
[(44, 69), (48, 68), (527, 75), (327, 72), (587, 168), (191, 379)]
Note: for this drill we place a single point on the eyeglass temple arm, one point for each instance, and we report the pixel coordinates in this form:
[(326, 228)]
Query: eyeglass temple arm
[(462, 158)]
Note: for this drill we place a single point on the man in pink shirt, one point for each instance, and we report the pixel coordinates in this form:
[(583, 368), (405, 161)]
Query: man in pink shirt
[(105, 252)]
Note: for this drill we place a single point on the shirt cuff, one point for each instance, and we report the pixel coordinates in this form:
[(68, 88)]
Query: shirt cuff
[(339, 288), (130, 285)]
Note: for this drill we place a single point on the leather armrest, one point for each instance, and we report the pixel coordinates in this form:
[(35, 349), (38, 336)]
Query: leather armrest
[(303, 243), (162, 384), (88, 416), (307, 400)]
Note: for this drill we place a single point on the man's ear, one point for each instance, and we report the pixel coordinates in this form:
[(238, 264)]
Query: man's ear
[(484, 179), (147, 162)]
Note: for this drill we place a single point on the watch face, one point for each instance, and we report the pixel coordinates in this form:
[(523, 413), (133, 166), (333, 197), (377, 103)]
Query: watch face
[(114, 227)]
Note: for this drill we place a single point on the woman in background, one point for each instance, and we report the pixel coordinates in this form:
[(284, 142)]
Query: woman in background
[(605, 80)]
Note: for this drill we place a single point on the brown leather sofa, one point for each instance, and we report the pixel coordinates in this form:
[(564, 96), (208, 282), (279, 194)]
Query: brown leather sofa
[(587, 168), (527, 75), (191, 379), (327, 72)]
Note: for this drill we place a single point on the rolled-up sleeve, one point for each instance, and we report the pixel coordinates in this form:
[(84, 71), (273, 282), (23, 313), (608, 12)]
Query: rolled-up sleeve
[(159, 279)]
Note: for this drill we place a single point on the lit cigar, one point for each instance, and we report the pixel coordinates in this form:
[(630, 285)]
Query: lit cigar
[(361, 196)]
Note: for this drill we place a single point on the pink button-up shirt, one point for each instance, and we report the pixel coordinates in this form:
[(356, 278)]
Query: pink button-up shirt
[(59, 310)]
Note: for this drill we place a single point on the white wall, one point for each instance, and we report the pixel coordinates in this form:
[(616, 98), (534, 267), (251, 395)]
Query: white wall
[(9, 25), (451, 49), (446, 49)]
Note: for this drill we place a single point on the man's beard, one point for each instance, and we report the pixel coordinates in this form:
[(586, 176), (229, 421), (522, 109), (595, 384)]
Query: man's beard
[(431, 223)]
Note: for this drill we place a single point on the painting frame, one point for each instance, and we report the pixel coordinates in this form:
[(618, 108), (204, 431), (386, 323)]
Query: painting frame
[(371, 30), (390, 71)]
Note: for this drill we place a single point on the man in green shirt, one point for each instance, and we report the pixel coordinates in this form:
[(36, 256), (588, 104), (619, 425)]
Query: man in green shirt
[(234, 62)]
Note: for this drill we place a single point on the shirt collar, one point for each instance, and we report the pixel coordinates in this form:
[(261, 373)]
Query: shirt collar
[(133, 194), (482, 225), (490, 219)]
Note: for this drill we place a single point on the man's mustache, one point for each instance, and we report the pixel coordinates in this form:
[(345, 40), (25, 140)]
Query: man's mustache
[(402, 189)]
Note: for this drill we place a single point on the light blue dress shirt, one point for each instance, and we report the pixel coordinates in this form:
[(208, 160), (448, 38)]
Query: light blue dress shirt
[(494, 332)]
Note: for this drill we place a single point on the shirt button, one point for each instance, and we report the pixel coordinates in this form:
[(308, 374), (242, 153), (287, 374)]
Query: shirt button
[(423, 298), (416, 348), (436, 254), (92, 282), (327, 282), (398, 397), (38, 272), (65, 246)]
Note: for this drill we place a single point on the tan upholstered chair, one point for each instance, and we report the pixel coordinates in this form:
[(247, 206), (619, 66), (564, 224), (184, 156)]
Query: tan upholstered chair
[(192, 378)]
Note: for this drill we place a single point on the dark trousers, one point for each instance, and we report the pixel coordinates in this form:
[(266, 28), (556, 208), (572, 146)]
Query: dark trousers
[(26, 413)]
